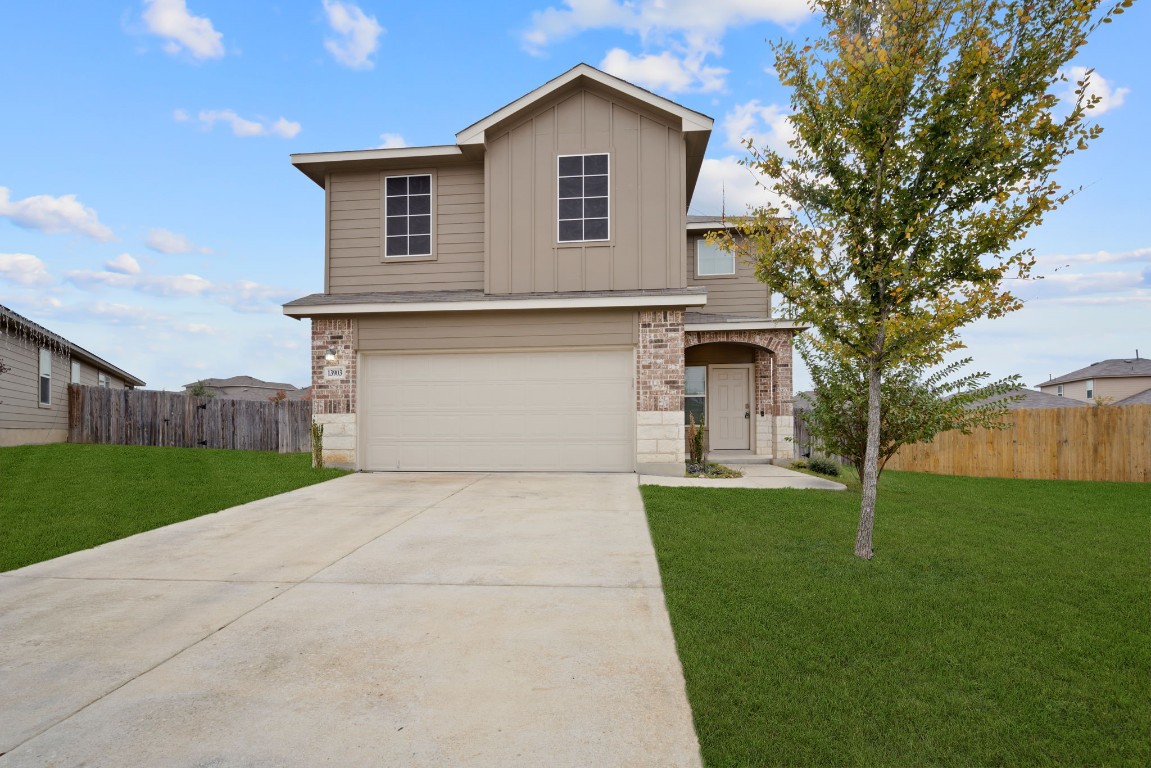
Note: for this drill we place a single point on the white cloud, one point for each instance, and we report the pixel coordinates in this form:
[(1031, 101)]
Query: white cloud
[(244, 296), (391, 141), (165, 241), (1109, 97), (180, 115), (124, 264), (665, 71), (245, 128), (24, 269), (357, 34), (767, 126), (53, 215), (171, 20), (727, 187), (1138, 255), (697, 20)]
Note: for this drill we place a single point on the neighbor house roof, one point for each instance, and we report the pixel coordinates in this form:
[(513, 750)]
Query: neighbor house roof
[(696, 128), (1106, 369), (243, 381), (1139, 398), (1030, 398), (74, 350)]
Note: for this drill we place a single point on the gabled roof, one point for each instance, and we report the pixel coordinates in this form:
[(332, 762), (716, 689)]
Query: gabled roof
[(242, 381), (1029, 398), (1106, 369), (691, 121), (75, 350)]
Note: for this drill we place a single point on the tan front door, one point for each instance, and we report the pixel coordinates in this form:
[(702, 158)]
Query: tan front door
[(729, 407)]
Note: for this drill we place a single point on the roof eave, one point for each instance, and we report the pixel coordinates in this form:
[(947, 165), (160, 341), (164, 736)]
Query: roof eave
[(316, 165)]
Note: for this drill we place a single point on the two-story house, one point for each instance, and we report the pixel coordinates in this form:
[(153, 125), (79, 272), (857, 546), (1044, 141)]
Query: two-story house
[(1113, 381), (535, 296)]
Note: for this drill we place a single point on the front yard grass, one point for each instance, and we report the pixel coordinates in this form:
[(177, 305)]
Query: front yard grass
[(56, 499), (1002, 622)]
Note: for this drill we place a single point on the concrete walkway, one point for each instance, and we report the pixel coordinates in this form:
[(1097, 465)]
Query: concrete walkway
[(757, 475), (389, 619)]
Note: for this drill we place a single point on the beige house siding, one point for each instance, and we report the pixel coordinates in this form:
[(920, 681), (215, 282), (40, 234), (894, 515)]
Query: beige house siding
[(354, 246), (1116, 389), (496, 330), (20, 390), (739, 294), (647, 199)]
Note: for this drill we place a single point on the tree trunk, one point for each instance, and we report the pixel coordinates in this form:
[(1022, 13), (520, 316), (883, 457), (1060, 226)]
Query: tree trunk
[(870, 473)]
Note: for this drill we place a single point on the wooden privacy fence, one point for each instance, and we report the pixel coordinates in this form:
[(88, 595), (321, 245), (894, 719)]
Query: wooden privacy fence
[(142, 417), (1097, 443)]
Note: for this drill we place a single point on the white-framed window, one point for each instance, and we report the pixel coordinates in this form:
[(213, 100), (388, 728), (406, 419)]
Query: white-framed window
[(1059, 390), (45, 378), (712, 261), (103, 381), (1090, 389), (694, 393), (75, 372), (408, 215), (583, 198)]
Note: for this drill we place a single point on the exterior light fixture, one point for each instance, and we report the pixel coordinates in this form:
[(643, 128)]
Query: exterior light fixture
[(331, 356)]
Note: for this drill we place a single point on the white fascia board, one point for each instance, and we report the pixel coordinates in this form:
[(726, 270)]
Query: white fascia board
[(595, 302), (748, 325), (692, 120), (398, 153)]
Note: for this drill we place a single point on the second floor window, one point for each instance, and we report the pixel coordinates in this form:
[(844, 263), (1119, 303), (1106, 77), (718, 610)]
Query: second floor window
[(408, 214), (103, 381), (711, 260), (583, 198)]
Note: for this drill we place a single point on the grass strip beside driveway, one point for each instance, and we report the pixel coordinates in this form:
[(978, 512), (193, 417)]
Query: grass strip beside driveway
[(1002, 622), (56, 499)]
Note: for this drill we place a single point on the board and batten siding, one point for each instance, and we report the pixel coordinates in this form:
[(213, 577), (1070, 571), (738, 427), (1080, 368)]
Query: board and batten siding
[(355, 254), (647, 199), (20, 388), (545, 329), (741, 294)]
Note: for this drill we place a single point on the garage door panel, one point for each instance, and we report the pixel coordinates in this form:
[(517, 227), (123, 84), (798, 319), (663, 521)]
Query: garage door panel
[(555, 410)]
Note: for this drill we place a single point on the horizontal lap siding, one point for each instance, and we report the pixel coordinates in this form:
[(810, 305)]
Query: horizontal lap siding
[(497, 330), (739, 295), (356, 261), (20, 388)]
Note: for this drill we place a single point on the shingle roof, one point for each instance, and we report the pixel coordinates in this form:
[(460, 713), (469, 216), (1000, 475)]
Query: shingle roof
[(1029, 398), (1139, 398), (419, 297), (1106, 369), (243, 381)]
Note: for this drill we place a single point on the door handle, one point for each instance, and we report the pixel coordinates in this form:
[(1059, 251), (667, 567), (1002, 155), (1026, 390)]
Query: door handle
[(747, 414)]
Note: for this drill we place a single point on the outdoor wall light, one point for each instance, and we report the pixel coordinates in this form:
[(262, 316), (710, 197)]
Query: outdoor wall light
[(331, 356)]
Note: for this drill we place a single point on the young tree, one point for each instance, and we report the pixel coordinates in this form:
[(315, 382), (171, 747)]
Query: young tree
[(917, 404), (927, 134)]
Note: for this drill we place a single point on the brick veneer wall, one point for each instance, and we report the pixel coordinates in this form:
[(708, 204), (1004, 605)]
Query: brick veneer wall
[(659, 389), (334, 400)]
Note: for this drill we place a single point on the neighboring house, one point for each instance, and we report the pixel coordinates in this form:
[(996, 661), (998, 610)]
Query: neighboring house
[(246, 388), (1111, 381), (535, 297), (34, 392), (1029, 398)]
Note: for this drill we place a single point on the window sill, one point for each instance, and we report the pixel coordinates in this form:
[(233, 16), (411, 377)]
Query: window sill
[(716, 277), (400, 259), (43, 405), (582, 243)]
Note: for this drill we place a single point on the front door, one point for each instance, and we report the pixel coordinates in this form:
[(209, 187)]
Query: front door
[(729, 408)]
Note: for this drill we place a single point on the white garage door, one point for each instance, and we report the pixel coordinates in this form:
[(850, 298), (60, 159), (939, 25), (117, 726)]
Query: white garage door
[(513, 411)]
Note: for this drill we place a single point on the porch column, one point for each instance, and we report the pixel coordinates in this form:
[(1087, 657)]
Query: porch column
[(659, 427), (334, 400)]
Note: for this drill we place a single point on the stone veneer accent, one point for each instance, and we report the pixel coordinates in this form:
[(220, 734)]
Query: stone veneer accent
[(659, 429), (774, 424), (334, 401)]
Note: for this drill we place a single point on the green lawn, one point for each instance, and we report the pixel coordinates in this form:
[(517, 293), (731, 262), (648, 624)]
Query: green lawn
[(1002, 622), (56, 499)]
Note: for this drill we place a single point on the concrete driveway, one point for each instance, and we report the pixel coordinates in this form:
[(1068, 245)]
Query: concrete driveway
[(387, 619)]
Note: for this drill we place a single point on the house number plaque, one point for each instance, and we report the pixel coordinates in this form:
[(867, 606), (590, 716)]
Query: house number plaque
[(335, 372)]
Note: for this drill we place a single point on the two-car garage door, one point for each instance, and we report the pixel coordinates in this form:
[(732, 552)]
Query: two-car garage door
[(571, 410)]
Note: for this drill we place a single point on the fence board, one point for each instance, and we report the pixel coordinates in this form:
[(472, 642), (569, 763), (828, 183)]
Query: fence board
[(1101, 443), (141, 417)]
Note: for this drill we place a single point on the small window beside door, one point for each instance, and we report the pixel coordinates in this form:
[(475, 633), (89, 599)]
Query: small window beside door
[(694, 393)]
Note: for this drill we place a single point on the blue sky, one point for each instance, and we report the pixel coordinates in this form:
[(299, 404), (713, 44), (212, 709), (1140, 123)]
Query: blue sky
[(149, 212)]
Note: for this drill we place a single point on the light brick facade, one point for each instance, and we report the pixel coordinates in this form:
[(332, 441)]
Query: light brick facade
[(334, 400)]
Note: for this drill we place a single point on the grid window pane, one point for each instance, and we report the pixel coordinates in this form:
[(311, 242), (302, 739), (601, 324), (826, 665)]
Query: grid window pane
[(713, 260), (583, 206), (45, 390), (695, 380), (408, 209)]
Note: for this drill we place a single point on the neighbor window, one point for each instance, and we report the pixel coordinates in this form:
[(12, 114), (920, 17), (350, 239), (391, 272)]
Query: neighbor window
[(1090, 389), (103, 380), (583, 198), (1059, 390), (694, 392), (408, 215), (45, 377), (75, 372), (711, 260)]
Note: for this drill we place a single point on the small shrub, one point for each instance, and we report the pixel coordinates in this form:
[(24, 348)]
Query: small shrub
[(709, 469), (799, 464), (694, 441), (317, 445), (824, 466)]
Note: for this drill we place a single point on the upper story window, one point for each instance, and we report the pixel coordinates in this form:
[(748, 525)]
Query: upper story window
[(583, 198), (408, 215), (1090, 389), (75, 372), (103, 380), (1059, 390), (45, 377), (711, 260)]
